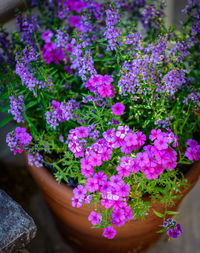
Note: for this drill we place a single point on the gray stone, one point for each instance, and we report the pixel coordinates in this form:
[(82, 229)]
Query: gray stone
[(17, 228)]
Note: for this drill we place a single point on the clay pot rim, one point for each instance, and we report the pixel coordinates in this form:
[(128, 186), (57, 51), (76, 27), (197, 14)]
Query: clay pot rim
[(46, 180)]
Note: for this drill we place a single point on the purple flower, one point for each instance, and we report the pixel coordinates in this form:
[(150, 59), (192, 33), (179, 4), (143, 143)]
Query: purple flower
[(27, 25), (80, 192), (112, 32), (173, 233), (95, 218), (47, 35), (75, 21), (60, 112), (92, 184), (75, 5), (17, 108), (109, 232), (118, 109), (35, 160), (76, 202), (18, 139), (82, 132), (173, 81)]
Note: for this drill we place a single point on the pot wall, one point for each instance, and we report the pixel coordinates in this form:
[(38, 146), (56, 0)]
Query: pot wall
[(134, 237)]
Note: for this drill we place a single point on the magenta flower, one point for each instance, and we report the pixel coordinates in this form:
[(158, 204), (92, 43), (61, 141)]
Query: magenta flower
[(161, 142), (47, 35), (192, 143), (95, 218), (82, 132), (75, 5), (75, 21), (173, 233), (92, 184), (118, 109), (123, 171), (122, 131), (95, 159), (130, 139), (109, 232), (76, 202), (80, 192), (154, 134), (101, 177), (106, 90), (88, 199), (106, 154), (124, 189), (87, 172)]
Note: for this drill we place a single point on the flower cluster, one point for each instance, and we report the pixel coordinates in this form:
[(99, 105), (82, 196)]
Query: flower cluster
[(111, 108), (28, 78), (101, 85), (50, 51), (60, 112), (174, 230), (18, 139), (114, 192), (112, 32), (77, 139), (173, 81), (17, 107), (193, 151), (35, 160), (27, 26)]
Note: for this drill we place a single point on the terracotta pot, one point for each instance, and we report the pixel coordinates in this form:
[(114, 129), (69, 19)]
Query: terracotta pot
[(134, 237)]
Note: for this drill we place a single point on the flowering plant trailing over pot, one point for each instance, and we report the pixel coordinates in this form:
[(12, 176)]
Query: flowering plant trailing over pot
[(108, 105)]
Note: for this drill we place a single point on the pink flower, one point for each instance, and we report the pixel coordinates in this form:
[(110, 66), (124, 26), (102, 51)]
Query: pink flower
[(75, 5), (95, 218), (140, 139), (161, 142), (47, 35), (122, 131), (124, 190), (192, 143), (106, 90), (76, 202), (154, 134), (123, 171), (82, 132), (109, 232), (107, 79), (80, 192), (75, 21), (118, 109), (101, 177), (95, 159), (130, 139), (87, 172), (92, 184)]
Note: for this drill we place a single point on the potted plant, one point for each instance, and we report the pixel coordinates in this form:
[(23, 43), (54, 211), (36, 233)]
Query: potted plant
[(110, 109)]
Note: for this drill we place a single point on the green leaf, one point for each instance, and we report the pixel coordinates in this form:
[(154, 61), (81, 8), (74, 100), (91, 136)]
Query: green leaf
[(161, 231), (158, 214), (171, 212), (31, 104), (4, 109), (6, 121)]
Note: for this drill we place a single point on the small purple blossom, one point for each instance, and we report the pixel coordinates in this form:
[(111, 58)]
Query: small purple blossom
[(35, 160), (109, 232), (118, 109), (17, 108), (95, 218)]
